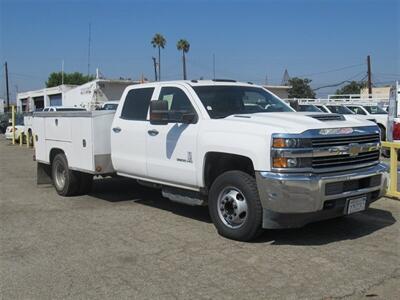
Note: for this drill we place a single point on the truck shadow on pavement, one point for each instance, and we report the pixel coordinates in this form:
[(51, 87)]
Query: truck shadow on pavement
[(320, 233), (125, 189), (325, 232)]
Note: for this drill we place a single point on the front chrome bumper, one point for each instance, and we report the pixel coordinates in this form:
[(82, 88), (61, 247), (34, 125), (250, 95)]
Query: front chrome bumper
[(293, 200)]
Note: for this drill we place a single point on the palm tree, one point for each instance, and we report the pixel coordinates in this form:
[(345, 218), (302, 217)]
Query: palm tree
[(184, 46), (159, 42)]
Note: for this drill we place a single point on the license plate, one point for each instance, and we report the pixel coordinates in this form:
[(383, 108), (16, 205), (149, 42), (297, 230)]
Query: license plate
[(356, 204)]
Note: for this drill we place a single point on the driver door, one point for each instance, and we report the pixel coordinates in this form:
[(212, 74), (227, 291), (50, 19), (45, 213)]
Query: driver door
[(171, 148)]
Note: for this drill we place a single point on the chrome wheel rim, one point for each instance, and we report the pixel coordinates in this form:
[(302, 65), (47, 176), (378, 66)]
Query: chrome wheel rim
[(60, 175), (232, 207)]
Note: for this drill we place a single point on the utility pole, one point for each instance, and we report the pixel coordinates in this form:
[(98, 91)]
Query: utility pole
[(369, 75), (62, 72), (155, 68), (7, 90), (89, 41)]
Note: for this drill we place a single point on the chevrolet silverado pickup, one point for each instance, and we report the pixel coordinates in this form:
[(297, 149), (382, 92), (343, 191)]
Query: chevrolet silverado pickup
[(233, 146)]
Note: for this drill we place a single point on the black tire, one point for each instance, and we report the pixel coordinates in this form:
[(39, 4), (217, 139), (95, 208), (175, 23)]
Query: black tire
[(69, 186), (85, 183), (246, 184)]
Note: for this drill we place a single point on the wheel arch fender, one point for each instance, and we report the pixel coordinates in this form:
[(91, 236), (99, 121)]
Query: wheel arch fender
[(53, 153)]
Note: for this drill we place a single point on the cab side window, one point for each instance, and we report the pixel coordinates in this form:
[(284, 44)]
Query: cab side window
[(136, 104), (178, 102)]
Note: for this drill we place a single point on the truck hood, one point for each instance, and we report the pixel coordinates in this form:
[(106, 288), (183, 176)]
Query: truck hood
[(297, 122)]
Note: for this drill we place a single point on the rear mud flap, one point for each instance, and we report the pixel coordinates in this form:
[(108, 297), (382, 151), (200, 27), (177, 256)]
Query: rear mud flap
[(43, 175)]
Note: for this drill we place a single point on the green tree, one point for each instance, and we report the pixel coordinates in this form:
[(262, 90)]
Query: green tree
[(353, 87), (76, 78), (300, 88), (184, 46), (159, 42)]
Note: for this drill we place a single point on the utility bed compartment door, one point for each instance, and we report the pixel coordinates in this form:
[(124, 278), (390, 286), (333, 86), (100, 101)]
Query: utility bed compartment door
[(81, 156), (58, 128), (40, 144)]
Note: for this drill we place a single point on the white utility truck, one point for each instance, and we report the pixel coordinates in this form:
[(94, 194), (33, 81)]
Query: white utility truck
[(233, 146)]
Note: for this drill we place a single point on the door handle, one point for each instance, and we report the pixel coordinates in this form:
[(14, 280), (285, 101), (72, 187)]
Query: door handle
[(152, 132), (116, 129)]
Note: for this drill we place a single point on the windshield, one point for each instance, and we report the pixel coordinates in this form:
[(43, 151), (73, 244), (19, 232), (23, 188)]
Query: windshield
[(322, 108), (223, 101), (309, 108), (339, 109), (375, 110)]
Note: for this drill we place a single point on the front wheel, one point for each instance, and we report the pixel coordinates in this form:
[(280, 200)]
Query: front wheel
[(235, 207)]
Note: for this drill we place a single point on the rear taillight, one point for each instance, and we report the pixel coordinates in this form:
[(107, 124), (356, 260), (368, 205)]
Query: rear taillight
[(396, 131)]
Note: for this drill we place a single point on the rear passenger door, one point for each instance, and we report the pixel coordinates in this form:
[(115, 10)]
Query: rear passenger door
[(129, 133)]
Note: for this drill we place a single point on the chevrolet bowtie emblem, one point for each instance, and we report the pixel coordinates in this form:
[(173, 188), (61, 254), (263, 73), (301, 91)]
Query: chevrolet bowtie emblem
[(354, 149)]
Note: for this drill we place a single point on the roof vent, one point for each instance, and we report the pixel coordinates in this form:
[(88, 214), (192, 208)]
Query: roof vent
[(328, 117)]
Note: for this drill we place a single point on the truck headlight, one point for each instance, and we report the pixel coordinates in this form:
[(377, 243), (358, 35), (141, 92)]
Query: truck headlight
[(290, 143)]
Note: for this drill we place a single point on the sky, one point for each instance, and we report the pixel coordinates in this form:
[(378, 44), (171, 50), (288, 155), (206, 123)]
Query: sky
[(324, 40)]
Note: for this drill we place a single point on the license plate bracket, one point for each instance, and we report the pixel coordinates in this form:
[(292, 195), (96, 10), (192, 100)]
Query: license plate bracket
[(356, 204)]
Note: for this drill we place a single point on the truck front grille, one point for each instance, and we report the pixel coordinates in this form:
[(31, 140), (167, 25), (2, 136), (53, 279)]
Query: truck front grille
[(345, 161), (345, 140)]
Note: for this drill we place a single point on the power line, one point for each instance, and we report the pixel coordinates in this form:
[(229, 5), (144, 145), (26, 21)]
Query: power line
[(388, 74), (25, 75), (333, 70), (340, 83)]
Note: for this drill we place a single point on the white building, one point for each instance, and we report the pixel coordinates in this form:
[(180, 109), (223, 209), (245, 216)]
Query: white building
[(38, 99), (378, 92), (282, 91), (89, 95)]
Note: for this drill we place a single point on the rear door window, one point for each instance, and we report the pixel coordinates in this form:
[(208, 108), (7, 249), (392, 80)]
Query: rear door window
[(136, 104)]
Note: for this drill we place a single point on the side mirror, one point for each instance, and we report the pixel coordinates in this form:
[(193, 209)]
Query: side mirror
[(159, 114)]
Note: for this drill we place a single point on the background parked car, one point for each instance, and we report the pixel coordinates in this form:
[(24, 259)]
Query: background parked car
[(109, 105), (372, 111), (18, 130), (308, 108)]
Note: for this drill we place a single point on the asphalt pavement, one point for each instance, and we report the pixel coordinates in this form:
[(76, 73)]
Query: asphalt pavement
[(124, 241)]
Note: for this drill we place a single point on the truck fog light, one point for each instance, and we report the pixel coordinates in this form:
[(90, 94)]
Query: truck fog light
[(292, 162), (279, 143), (280, 162)]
